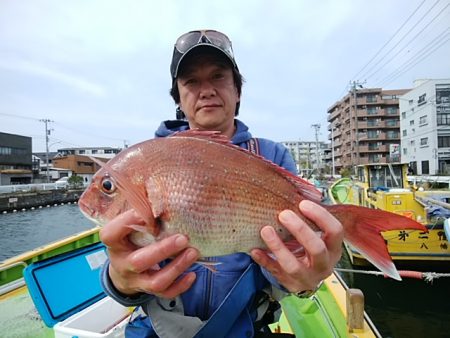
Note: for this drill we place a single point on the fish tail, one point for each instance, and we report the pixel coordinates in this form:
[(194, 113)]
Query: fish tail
[(362, 227)]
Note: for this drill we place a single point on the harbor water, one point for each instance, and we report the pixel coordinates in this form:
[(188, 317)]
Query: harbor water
[(407, 309), (26, 230)]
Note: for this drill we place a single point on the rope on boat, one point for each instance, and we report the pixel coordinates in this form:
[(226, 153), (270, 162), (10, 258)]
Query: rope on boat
[(427, 276)]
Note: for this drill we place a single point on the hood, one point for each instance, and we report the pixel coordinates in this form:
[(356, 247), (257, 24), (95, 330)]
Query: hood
[(169, 127)]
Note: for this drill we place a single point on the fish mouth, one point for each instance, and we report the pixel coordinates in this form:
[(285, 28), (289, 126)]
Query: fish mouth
[(90, 214)]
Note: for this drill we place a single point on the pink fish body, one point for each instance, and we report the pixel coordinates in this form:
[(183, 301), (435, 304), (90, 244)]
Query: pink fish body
[(220, 196)]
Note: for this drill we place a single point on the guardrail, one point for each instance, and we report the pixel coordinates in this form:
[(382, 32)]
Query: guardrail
[(5, 189)]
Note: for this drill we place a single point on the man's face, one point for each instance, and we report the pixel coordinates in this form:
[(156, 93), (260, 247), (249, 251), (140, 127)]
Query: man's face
[(208, 95)]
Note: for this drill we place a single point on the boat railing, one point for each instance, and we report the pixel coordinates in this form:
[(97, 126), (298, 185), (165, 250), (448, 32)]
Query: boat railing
[(16, 283)]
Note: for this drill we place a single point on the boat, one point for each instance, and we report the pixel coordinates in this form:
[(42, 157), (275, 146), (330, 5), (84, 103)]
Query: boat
[(334, 311), (386, 187)]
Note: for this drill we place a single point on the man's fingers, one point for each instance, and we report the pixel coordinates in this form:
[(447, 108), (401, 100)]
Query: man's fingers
[(115, 233), (331, 227), (160, 279)]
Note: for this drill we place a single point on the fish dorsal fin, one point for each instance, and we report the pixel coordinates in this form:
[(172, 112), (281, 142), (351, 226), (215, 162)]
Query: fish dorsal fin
[(210, 135), (307, 189), (136, 197)]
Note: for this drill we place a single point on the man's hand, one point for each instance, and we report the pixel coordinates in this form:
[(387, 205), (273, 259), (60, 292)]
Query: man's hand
[(133, 270), (321, 252)]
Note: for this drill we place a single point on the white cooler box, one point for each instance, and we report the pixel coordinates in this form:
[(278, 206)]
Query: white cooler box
[(105, 318), (67, 293)]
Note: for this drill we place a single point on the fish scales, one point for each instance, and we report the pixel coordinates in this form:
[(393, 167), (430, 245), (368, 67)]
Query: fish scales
[(217, 198), (220, 196)]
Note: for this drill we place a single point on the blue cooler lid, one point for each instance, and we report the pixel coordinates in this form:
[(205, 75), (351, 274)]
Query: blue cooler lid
[(66, 284)]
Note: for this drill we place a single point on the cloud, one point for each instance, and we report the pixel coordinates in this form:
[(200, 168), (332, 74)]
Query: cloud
[(65, 78)]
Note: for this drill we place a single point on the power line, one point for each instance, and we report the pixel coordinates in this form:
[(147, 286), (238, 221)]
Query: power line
[(417, 55), (408, 43), (19, 116), (402, 38), (420, 60), (63, 126), (89, 134), (392, 37)]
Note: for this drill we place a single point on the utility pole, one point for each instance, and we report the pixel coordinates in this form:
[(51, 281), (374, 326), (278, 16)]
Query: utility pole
[(355, 84), (317, 127), (333, 170), (47, 134)]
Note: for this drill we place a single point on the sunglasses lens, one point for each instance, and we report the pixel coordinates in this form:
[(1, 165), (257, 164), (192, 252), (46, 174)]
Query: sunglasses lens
[(191, 39), (187, 40), (220, 40)]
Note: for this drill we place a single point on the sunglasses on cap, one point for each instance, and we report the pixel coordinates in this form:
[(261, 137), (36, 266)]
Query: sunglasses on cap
[(188, 41)]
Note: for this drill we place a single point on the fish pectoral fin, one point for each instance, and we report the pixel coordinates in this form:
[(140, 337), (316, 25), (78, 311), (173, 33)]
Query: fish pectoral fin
[(295, 248), (157, 196)]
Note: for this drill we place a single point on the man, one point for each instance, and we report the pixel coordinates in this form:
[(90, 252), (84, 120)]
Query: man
[(183, 299)]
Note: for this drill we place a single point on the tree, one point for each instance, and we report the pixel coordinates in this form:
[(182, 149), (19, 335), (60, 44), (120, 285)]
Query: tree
[(75, 181), (346, 172)]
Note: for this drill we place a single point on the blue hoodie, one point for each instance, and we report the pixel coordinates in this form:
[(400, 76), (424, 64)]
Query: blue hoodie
[(210, 289)]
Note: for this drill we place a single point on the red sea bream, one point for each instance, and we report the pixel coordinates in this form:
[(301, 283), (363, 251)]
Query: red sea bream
[(220, 196)]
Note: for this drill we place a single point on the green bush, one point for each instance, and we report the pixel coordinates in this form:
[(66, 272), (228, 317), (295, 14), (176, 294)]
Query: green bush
[(75, 181)]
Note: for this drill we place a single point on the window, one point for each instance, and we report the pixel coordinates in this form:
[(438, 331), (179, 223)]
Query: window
[(389, 97), (443, 141), (81, 151), (443, 98), (404, 132), (391, 123), (423, 120), (412, 143), (424, 141), (403, 115), (373, 146), (94, 151), (5, 150), (391, 110), (422, 99), (374, 158), (372, 134), (371, 110), (411, 123), (425, 167), (390, 134), (405, 151), (371, 98), (443, 119), (12, 151), (411, 102)]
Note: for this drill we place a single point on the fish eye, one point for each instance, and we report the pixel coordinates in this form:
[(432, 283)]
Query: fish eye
[(108, 185)]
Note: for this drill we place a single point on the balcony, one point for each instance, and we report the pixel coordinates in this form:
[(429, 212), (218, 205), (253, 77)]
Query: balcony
[(378, 149), (378, 124)]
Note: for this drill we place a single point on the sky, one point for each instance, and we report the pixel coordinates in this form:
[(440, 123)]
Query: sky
[(99, 70)]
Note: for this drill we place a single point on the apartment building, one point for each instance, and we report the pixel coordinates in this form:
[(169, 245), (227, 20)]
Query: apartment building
[(103, 152), (308, 155), (364, 127), (425, 127)]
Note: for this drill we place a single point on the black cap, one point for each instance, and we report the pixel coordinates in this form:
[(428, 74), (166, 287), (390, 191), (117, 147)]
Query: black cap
[(200, 38)]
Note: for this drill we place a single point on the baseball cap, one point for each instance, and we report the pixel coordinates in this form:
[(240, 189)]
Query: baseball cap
[(193, 39)]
